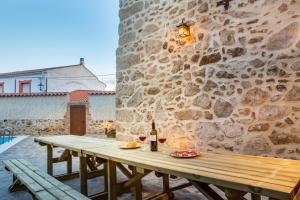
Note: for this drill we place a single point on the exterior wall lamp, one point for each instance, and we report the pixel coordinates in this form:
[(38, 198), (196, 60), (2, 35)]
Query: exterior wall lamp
[(224, 3), (184, 29)]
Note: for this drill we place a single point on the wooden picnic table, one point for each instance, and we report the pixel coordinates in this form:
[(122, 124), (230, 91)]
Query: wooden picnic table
[(235, 174)]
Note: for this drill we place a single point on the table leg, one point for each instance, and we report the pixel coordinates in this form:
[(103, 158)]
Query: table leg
[(50, 159), (207, 191), (138, 193), (105, 176), (83, 175), (255, 197), (166, 183), (166, 186), (233, 194), (112, 180), (69, 163)]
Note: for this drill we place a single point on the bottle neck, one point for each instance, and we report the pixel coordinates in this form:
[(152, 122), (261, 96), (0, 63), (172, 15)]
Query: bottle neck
[(153, 125)]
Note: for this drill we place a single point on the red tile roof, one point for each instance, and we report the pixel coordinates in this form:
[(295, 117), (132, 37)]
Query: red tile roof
[(82, 96), (33, 94), (75, 96), (102, 93)]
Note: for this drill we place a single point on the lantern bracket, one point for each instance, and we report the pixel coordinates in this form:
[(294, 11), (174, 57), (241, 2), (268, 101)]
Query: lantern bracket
[(225, 3)]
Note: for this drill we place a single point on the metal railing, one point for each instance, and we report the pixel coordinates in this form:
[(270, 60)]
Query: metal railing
[(6, 134)]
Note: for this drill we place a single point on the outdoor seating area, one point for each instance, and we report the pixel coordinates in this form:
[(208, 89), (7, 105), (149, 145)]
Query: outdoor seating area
[(235, 175), (182, 100)]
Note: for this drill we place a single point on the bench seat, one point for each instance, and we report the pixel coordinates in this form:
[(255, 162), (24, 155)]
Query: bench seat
[(41, 185)]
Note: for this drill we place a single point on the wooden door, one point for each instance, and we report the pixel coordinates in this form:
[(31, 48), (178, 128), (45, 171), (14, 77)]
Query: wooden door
[(77, 120)]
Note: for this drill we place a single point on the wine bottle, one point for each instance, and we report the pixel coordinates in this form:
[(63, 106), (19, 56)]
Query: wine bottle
[(153, 137)]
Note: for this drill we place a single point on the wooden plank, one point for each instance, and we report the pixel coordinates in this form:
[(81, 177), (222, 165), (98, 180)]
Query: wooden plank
[(64, 156), (95, 174), (91, 164), (267, 176), (23, 177), (138, 188), (39, 183), (190, 174), (68, 176), (44, 195), (289, 182), (264, 178), (209, 193), (57, 193), (166, 182), (179, 187), (254, 189), (106, 174), (234, 194), (40, 180), (162, 163), (49, 159), (99, 196), (158, 196), (297, 196), (255, 197), (250, 170), (112, 180), (124, 170), (83, 175), (76, 195), (16, 186)]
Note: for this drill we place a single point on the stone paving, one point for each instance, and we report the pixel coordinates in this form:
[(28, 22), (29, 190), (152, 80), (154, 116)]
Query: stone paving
[(36, 154)]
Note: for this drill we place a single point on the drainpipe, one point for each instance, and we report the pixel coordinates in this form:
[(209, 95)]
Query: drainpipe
[(46, 84)]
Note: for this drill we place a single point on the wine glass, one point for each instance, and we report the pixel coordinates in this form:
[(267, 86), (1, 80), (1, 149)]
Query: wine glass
[(162, 139), (143, 139)]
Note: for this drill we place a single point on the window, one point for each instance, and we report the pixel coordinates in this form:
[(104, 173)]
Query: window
[(25, 86), (1, 87)]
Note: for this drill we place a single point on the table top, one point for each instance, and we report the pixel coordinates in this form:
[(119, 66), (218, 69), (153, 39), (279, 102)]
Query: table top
[(273, 177)]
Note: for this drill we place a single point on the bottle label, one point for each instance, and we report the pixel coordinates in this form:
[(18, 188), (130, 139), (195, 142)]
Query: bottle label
[(153, 138)]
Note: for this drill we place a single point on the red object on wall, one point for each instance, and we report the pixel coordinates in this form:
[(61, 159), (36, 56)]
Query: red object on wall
[(22, 85), (79, 96)]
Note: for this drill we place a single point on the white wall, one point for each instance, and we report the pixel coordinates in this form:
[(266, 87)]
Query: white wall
[(44, 107), (66, 79), (102, 107), (9, 83), (67, 83)]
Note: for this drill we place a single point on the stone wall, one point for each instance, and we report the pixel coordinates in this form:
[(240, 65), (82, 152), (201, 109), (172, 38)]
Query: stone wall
[(101, 108), (47, 115), (34, 115), (36, 126), (233, 85)]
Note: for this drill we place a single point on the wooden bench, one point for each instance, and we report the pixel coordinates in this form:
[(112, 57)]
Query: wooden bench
[(40, 185)]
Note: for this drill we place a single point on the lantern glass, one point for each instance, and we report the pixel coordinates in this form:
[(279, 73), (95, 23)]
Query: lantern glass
[(184, 30)]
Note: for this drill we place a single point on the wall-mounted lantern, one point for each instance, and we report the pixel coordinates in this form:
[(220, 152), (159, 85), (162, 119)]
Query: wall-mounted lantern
[(224, 3), (184, 29)]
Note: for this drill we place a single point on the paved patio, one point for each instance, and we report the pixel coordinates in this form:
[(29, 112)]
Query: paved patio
[(36, 154)]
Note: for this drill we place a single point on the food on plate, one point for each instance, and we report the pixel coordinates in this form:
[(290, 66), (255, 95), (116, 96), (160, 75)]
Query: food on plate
[(131, 144), (184, 154)]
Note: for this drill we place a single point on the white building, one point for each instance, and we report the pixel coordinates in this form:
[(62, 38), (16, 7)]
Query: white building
[(54, 79)]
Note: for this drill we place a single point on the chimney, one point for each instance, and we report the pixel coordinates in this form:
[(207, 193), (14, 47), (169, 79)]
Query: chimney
[(81, 61)]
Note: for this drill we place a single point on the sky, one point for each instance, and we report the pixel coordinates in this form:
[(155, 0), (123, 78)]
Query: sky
[(48, 33)]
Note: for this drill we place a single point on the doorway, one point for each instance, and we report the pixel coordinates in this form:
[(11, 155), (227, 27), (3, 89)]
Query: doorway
[(77, 119)]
